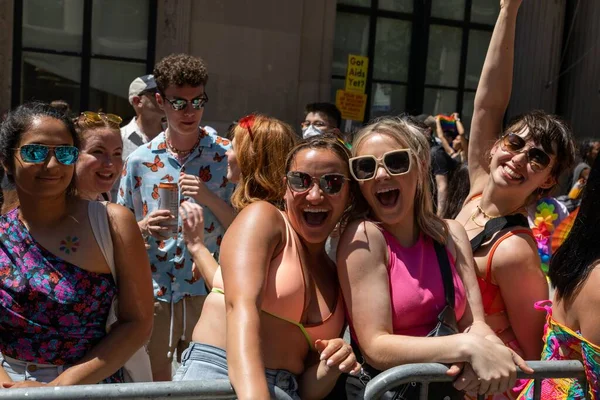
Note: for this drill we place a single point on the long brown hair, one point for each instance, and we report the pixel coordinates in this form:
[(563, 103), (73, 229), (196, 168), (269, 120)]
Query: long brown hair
[(261, 146), (412, 137)]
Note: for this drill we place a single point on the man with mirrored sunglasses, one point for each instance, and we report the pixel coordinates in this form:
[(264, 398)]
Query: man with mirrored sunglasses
[(191, 160)]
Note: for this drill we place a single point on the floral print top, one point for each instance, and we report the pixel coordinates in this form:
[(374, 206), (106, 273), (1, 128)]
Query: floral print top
[(51, 311)]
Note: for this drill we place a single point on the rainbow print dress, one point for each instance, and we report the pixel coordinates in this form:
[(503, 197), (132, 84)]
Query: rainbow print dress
[(562, 343)]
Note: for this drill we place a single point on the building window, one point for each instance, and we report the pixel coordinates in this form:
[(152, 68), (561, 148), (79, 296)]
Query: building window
[(85, 52), (425, 56)]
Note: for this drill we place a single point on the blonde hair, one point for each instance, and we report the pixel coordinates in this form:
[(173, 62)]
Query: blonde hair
[(413, 138), (261, 146)]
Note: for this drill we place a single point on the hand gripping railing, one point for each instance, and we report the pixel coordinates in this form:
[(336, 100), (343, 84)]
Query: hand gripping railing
[(185, 390), (428, 373)]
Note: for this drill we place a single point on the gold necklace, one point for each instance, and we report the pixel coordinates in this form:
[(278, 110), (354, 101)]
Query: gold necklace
[(181, 153), (473, 217), (486, 215)]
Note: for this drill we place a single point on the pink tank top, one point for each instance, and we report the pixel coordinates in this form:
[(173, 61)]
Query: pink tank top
[(416, 286)]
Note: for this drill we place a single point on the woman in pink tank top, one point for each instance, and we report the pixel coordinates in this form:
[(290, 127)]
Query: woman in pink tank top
[(508, 171), (273, 320), (390, 274)]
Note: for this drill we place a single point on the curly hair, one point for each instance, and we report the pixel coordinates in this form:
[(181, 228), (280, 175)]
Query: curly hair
[(261, 147), (180, 70)]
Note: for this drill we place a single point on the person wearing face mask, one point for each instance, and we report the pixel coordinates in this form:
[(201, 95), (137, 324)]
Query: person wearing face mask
[(321, 118)]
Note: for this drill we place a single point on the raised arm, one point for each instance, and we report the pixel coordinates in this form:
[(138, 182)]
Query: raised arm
[(464, 143), (439, 131), (493, 94), (135, 317), (249, 245)]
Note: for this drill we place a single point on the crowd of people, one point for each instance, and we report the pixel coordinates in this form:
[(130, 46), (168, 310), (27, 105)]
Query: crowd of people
[(248, 256)]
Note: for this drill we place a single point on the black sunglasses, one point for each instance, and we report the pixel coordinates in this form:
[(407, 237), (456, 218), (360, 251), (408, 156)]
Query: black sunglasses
[(537, 158), (395, 162), (181, 104), (301, 182)]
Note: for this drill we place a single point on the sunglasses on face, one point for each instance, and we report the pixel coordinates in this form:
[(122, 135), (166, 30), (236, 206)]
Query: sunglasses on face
[(38, 153), (181, 104), (537, 158), (301, 182), (395, 162)]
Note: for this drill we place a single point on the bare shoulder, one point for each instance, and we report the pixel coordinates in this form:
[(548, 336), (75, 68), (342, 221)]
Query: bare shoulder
[(360, 233), (362, 246), (589, 296), (518, 251), (260, 221), (586, 305), (262, 214), (118, 213)]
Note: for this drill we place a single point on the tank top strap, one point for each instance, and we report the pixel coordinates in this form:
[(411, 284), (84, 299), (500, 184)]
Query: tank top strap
[(474, 197), (488, 268)]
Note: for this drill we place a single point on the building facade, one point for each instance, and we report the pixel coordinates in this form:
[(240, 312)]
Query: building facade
[(274, 56)]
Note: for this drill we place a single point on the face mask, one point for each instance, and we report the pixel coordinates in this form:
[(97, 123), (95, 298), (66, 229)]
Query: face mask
[(310, 131)]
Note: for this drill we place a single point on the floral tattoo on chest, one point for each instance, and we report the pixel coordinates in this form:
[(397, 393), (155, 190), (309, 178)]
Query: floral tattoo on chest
[(69, 245)]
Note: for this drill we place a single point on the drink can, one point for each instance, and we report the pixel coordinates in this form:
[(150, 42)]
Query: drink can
[(169, 200), (576, 190)]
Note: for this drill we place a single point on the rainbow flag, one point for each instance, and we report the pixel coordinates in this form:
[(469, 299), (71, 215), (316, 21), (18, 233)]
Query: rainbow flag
[(448, 123)]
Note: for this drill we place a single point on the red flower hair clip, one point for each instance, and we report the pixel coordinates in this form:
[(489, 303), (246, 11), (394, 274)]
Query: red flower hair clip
[(247, 122)]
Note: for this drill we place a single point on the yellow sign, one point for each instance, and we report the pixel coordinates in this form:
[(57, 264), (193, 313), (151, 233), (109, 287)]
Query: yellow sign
[(352, 105), (356, 74)]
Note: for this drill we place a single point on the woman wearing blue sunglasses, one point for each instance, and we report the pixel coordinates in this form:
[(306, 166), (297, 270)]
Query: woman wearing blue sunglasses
[(56, 288)]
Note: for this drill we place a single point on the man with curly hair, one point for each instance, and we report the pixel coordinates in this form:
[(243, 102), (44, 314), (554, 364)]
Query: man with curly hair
[(193, 158)]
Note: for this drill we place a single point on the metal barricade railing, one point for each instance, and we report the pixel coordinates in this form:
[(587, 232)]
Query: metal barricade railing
[(184, 390), (221, 389), (429, 373)]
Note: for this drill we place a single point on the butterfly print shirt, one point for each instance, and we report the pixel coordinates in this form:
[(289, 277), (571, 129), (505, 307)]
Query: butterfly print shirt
[(144, 170)]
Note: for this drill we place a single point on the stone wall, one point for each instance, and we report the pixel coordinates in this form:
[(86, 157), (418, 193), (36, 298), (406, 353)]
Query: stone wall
[(271, 56)]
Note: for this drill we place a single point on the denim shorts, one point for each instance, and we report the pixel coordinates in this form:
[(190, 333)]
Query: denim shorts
[(202, 362), (27, 371)]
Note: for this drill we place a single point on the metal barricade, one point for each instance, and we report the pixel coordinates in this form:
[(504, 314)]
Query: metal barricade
[(221, 389), (185, 390), (428, 373)]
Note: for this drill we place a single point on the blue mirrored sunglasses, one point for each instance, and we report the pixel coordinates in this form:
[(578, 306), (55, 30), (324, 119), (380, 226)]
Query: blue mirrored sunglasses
[(38, 153)]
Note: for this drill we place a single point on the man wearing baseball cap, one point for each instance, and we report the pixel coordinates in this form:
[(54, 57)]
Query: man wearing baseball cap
[(146, 124), (148, 116)]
